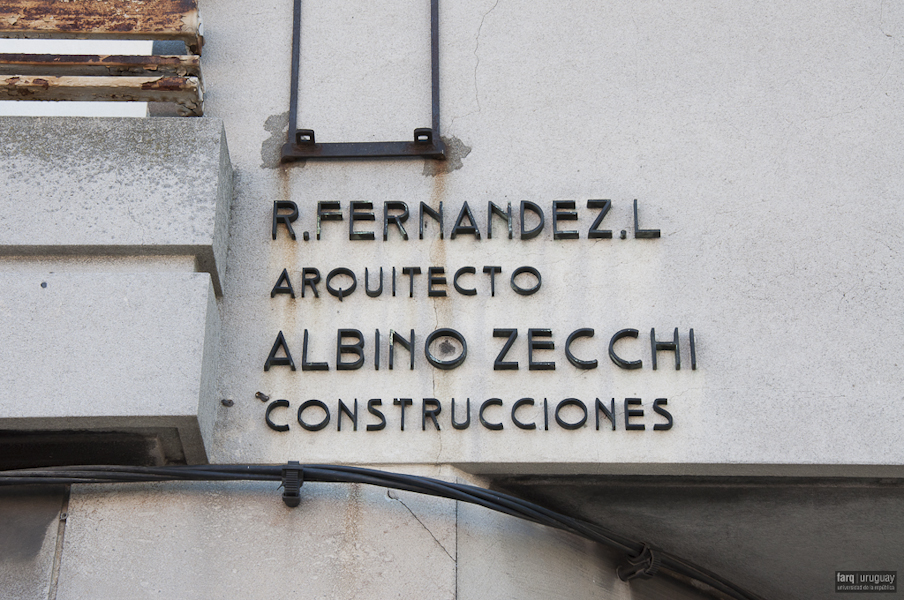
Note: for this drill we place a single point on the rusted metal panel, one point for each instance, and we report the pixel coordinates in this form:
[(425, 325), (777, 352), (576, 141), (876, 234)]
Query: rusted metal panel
[(185, 91), (107, 19), (90, 77), (81, 64)]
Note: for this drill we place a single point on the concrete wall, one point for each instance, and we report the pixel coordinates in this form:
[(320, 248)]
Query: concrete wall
[(113, 245), (763, 142), (344, 541)]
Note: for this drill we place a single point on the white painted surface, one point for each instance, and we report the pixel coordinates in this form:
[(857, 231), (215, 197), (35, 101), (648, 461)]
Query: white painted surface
[(764, 142)]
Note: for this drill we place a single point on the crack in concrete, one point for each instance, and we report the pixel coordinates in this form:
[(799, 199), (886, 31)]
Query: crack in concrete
[(882, 19), (477, 56), (476, 65), (433, 389), (58, 551), (427, 529), (132, 218)]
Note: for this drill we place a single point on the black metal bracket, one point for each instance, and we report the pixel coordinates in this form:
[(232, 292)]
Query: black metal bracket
[(292, 478), (643, 566), (301, 144)]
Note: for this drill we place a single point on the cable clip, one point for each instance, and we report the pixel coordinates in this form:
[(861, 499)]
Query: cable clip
[(292, 478), (642, 566)]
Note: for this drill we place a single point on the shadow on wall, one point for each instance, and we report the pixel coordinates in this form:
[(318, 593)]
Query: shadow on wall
[(27, 515)]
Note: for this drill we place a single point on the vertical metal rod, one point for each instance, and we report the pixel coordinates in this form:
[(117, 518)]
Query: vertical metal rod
[(434, 63), (295, 151), (296, 60)]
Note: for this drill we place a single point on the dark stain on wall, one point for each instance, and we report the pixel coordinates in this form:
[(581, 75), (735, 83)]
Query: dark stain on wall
[(26, 515)]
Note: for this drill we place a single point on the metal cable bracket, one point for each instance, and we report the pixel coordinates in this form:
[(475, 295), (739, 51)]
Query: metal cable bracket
[(642, 566), (301, 144), (292, 478)]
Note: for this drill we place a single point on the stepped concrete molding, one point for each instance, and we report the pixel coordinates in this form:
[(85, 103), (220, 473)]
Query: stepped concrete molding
[(110, 352), (116, 187)]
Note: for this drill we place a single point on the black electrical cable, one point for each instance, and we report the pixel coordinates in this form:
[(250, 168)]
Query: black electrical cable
[(493, 500)]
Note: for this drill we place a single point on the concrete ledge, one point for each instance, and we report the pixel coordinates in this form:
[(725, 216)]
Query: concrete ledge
[(116, 186), (110, 352), (686, 469)]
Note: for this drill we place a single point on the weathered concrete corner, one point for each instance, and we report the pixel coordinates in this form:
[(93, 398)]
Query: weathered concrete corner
[(111, 352), (116, 187)]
